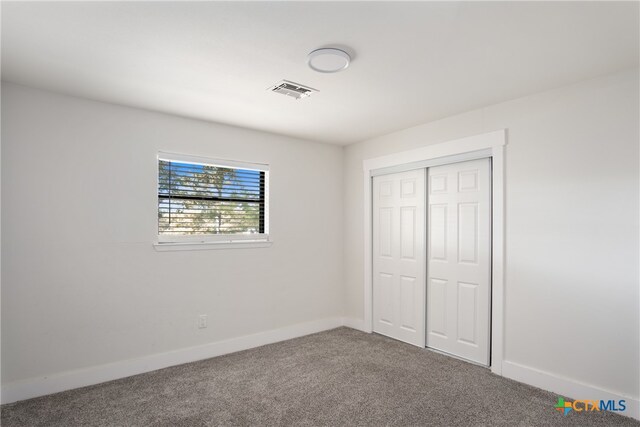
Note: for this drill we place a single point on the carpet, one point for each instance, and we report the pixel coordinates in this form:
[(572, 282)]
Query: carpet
[(340, 377)]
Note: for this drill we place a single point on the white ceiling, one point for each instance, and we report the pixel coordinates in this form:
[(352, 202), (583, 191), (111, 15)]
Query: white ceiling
[(413, 62)]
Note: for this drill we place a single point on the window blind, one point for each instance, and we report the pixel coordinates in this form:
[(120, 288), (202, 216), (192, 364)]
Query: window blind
[(198, 199)]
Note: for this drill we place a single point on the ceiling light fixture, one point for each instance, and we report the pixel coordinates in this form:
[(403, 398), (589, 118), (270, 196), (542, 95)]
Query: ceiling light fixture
[(328, 60)]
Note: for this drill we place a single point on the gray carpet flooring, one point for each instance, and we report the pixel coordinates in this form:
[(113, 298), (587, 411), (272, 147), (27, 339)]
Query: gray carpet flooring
[(335, 378)]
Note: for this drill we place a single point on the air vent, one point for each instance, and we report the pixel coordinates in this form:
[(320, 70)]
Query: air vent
[(294, 90)]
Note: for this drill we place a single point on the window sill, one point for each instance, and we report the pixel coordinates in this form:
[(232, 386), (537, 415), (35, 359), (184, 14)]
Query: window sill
[(203, 246)]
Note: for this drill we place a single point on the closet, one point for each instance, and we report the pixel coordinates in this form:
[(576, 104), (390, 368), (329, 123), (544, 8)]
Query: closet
[(432, 258)]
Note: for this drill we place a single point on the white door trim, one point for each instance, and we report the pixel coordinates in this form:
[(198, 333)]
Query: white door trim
[(490, 144)]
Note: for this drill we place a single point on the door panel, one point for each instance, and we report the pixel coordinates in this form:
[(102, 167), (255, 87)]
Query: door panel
[(467, 312), (408, 303), (468, 233), (407, 233), (438, 232), (437, 311), (399, 256), (385, 298), (459, 259), (385, 230)]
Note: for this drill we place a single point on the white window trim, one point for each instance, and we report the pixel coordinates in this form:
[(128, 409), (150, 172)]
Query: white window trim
[(214, 241), (198, 160), (491, 144), (199, 246)]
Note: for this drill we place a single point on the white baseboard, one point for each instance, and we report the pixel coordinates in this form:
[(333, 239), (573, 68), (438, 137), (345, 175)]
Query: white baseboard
[(566, 387), (34, 387), (352, 323)]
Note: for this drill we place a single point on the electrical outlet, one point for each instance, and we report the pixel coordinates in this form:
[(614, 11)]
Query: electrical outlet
[(202, 321)]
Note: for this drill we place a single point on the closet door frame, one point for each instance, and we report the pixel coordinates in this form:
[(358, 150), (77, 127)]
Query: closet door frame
[(486, 145)]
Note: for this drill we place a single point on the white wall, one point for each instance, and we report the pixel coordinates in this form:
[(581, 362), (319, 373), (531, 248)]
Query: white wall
[(81, 282), (572, 231), (82, 285)]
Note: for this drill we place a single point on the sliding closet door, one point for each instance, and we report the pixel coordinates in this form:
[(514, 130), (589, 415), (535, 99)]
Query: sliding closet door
[(399, 256), (459, 259)]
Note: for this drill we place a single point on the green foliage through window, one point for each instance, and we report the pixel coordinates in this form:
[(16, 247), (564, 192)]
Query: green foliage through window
[(201, 199)]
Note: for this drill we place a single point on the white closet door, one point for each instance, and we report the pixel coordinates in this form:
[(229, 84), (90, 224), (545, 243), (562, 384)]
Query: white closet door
[(459, 259), (399, 256)]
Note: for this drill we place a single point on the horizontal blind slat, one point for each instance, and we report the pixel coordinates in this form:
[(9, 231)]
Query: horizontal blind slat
[(204, 199)]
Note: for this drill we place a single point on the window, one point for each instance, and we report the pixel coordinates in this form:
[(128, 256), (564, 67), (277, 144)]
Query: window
[(205, 200)]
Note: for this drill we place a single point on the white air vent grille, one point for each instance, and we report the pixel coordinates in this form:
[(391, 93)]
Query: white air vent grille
[(294, 90)]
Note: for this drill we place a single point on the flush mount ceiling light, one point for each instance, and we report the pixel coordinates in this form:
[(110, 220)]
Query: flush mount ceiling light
[(328, 60)]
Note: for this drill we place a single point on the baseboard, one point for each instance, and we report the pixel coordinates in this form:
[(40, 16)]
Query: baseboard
[(26, 389), (352, 323), (566, 387), (34, 387)]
